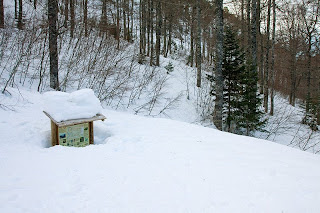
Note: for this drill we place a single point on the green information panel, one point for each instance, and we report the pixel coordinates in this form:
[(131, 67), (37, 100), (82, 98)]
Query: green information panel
[(76, 135)]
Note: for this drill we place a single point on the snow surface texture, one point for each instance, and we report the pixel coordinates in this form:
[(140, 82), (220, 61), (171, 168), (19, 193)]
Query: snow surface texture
[(79, 104), (141, 164)]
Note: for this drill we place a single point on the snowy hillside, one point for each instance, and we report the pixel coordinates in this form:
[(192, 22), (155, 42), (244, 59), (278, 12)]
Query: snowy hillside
[(144, 164)]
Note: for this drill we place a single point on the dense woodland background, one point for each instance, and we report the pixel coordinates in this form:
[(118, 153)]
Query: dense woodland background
[(244, 52)]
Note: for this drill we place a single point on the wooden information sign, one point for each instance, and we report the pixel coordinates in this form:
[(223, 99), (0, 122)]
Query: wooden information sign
[(74, 132)]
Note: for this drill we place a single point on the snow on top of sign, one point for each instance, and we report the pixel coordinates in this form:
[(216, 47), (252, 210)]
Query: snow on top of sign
[(65, 106)]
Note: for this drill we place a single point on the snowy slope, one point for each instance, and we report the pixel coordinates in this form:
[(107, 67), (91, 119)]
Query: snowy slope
[(144, 164)]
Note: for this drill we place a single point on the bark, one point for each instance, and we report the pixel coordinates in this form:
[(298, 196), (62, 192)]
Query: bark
[(124, 17), (242, 23), (72, 18), (192, 37), (15, 9), (53, 50), (85, 17), (308, 101), (218, 108), (158, 32), (248, 28), (272, 56), (198, 44), (254, 34), (20, 24), (1, 14), (266, 74), (170, 33), (66, 13), (118, 25), (164, 35), (151, 32)]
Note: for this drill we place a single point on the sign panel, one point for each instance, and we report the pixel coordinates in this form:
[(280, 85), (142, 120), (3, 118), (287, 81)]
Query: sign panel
[(76, 135)]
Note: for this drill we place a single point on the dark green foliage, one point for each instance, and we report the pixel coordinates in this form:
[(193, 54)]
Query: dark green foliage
[(169, 68), (250, 117), (241, 102), (232, 69)]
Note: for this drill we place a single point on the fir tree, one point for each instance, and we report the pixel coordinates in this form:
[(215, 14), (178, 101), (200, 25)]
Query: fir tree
[(250, 114), (232, 69)]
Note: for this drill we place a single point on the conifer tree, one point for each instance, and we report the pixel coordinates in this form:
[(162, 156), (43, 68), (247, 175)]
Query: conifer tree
[(250, 114), (232, 70)]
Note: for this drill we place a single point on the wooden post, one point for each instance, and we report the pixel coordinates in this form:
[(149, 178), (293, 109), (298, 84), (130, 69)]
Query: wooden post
[(91, 138), (54, 134)]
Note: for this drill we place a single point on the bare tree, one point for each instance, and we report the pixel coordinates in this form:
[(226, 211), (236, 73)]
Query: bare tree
[(1, 14), (199, 58), (217, 115), (53, 50)]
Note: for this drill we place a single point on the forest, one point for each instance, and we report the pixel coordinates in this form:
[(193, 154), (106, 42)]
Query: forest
[(243, 53)]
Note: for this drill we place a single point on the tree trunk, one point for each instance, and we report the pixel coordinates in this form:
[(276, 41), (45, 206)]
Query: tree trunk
[(272, 55), (218, 108), (198, 44), (1, 14), (192, 36), (308, 101), (266, 74), (151, 32), (164, 30), (158, 32), (72, 17), (66, 13), (15, 9), (254, 34), (53, 50), (170, 33), (20, 24), (118, 25), (124, 17), (248, 28), (85, 17)]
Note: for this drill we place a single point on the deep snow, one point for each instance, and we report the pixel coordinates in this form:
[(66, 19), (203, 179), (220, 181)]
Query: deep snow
[(141, 164)]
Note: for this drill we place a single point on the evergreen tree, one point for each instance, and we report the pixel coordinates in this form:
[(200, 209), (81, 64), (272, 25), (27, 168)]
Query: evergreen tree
[(232, 69), (250, 114)]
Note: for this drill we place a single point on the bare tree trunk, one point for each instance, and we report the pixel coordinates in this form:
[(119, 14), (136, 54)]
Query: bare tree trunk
[(242, 23), (85, 17), (266, 74), (308, 100), (15, 9), (124, 17), (118, 25), (272, 55), (198, 44), (218, 108), (158, 32), (170, 32), (66, 13), (248, 27), (53, 50), (164, 50), (254, 34), (192, 36), (1, 14), (72, 18), (151, 32), (20, 24)]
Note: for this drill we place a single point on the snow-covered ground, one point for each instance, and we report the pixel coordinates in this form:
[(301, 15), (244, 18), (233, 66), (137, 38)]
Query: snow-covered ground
[(141, 164)]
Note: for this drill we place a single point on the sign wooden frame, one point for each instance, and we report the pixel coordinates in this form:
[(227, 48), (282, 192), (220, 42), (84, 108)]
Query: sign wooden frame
[(55, 126)]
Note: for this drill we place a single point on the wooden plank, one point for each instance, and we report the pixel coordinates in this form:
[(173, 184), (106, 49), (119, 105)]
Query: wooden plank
[(54, 134), (75, 121), (91, 135)]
